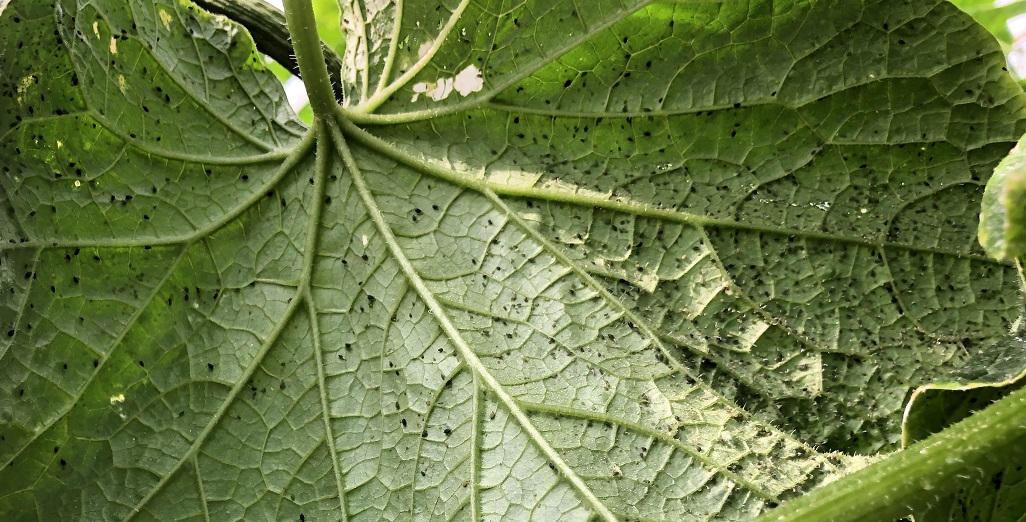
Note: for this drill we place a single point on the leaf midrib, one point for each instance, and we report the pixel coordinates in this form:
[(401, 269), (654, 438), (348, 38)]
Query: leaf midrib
[(628, 206), (485, 187), (313, 225), (469, 357), (300, 297), (641, 323)]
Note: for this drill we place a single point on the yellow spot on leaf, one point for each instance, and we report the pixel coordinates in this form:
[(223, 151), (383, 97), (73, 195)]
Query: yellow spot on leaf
[(23, 85), (96, 29), (165, 18), (113, 45)]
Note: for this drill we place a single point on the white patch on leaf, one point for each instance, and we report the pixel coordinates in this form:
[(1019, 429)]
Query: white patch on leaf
[(468, 81), (424, 48), (513, 178), (113, 45), (438, 90)]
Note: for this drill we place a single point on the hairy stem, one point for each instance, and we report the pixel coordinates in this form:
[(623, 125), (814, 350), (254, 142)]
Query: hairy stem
[(968, 452), (271, 34), (299, 15)]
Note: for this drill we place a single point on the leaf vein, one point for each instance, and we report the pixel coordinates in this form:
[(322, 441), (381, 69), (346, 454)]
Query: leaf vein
[(469, 357)]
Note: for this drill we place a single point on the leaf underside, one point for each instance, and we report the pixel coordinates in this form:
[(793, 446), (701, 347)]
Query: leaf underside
[(985, 379), (657, 263)]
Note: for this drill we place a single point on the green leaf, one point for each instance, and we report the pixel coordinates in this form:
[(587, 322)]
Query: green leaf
[(992, 375), (1003, 218), (999, 499), (994, 15), (634, 260), (998, 17), (1000, 496)]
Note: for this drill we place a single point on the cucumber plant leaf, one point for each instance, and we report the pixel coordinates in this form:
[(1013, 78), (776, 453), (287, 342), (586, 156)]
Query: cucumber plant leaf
[(995, 16), (1002, 230), (650, 260), (993, 374)]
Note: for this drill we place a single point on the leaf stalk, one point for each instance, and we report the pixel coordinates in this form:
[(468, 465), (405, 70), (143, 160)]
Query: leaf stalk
[(270, 34), (968, 452), (299, 15)]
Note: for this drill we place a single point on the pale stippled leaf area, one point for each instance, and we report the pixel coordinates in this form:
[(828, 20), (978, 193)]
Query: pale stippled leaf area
[(636, 260)]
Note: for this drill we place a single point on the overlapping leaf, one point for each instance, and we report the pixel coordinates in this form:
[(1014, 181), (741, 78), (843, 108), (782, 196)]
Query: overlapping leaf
[(623, 260)]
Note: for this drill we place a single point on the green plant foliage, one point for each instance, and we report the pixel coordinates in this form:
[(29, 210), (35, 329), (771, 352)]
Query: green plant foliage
[(993, 374), (554, 261), (994, 15), (328, 20), (1003, 219)]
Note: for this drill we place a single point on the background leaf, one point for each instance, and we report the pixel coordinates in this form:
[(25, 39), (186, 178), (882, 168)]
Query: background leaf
[(656, 263), (994, 15), (1003, 218)]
